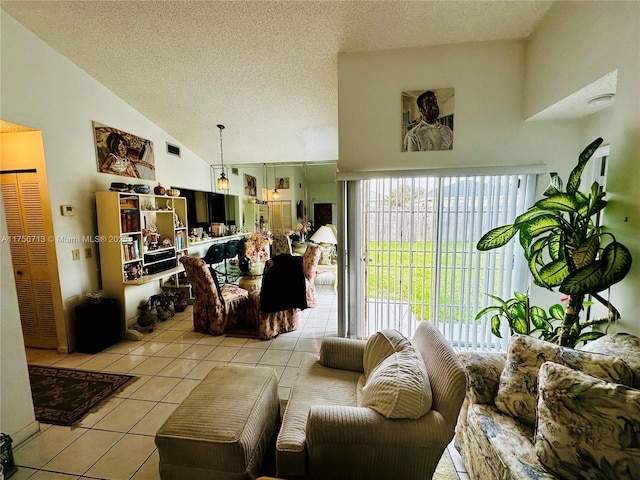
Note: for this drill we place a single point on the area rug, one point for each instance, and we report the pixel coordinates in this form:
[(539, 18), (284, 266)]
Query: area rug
[(62, 396)]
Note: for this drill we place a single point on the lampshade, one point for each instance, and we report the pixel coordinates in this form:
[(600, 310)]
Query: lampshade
[(223, 182), (324, 235)]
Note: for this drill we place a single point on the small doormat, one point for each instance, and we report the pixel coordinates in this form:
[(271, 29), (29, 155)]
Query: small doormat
[(62, 396)]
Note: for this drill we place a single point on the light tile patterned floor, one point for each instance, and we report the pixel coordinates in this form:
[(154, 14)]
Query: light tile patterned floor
[(116, 441)]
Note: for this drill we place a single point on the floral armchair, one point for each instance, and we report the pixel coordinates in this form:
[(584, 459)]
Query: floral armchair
[(216, 307), (270, 324), (281, 244), (256, 247)]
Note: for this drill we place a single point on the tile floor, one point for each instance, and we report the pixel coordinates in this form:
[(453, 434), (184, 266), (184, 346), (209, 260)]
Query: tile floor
[(116, 441)]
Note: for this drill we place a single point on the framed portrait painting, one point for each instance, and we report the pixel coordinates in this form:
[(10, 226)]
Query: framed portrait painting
[(427, 119), (122, 153), (250, 185), (283, 183)]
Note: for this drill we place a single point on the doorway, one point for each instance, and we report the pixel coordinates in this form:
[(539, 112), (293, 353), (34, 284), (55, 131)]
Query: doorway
[(29, 224), (322, 214)]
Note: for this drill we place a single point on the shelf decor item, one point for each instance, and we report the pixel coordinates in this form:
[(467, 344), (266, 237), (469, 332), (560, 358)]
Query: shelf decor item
[(159, 190)]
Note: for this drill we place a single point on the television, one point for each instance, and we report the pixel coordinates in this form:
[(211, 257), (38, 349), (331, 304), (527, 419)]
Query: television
[(205, 208)]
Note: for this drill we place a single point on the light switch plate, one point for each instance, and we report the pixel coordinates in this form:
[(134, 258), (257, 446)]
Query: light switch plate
[(67, 210)]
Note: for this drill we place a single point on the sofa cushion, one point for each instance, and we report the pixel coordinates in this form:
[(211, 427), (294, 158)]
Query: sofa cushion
[(314, 385), (622, 345), (586, 427), (399, 386), (519, 379), (497, 446), (380, 346)]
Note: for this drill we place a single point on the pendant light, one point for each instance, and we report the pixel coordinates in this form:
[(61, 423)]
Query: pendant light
[(223, 182), (275, 194)]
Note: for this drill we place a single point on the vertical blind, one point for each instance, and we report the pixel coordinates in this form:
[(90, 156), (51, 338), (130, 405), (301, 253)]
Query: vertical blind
[(420, 262)]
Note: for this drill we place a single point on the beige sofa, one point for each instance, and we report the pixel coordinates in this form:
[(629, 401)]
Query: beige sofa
[(349, 418), (543, 412)]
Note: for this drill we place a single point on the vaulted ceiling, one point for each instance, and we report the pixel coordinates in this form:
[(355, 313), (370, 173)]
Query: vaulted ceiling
[(268, 70)]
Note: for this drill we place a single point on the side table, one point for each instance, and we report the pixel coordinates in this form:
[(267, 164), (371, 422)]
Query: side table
[(98, 325)]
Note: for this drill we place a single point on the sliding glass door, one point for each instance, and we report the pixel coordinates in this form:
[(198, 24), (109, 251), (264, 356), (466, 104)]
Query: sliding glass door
[(416, 253)]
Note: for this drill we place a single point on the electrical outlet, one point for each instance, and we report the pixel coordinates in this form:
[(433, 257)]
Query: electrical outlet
[(75, 254), (87, 252)]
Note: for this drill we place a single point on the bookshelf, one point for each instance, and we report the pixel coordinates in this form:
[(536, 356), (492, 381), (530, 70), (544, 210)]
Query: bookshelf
[(141, 239)]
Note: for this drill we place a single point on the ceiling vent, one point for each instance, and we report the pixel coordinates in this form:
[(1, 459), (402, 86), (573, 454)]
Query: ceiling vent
[(173, 150)]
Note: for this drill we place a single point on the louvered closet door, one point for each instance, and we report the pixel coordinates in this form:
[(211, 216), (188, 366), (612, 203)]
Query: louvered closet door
[(23, 213)]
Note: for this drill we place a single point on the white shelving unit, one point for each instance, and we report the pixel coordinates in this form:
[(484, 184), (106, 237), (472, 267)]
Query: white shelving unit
[(141, 239)]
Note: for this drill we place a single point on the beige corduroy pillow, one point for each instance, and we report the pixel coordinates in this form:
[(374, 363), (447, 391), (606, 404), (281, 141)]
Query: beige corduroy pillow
[(380, 346), (399, 386)]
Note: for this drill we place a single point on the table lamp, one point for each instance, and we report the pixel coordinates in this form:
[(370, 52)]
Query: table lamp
[(325, 237)]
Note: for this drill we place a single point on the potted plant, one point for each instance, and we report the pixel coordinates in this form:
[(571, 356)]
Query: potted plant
[(565, 248)]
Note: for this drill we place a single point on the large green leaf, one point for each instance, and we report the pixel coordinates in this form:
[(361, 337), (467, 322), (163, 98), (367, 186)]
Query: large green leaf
[(520, 325), (574, 178), (589, 336), (539, 318), (565, 202), (495, 326), (497, 237), (555, 185), (523, 217), (541, 224), (554, 273), (532, 261), (554, 244), (615, 263), (584, 280), (486, 310), (557, 311), (586, 253)]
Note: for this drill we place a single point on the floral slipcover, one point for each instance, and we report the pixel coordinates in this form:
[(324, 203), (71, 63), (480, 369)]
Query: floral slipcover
[(281, 244), (211, 314), (519, 379), (587, 428), (494, 445), (269, 325)]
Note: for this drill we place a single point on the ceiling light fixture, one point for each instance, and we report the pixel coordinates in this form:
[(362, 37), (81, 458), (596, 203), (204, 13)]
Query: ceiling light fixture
[(223, 182), (275, 195), (601, 100)]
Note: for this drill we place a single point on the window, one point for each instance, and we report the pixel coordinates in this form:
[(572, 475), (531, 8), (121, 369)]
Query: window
[(419, 260)]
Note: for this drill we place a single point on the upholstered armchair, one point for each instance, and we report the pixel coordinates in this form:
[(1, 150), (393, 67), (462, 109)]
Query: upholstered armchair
[(377, 409), (257, 247), (281, 244), (286, 289), (215, 307)]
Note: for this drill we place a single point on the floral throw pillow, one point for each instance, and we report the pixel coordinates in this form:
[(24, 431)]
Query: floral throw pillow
[(526, 354), (586, 427)]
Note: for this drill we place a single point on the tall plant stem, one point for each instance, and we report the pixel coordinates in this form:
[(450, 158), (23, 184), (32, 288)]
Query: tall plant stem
[(571, 318)]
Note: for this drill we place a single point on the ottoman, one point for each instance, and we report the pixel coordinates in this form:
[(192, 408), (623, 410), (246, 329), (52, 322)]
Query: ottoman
[(223, 428)]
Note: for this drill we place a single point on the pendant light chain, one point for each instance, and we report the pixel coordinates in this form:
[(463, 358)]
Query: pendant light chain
[(223, 182)]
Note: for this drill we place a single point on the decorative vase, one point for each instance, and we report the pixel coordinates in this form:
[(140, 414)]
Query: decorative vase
[(147, 316), (244, 264), (159, 190), (180, 303)]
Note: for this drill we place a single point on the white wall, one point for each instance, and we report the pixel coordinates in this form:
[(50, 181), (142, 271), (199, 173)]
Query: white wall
[(43, 90), (16, 406), (488, 79), (577, 43)]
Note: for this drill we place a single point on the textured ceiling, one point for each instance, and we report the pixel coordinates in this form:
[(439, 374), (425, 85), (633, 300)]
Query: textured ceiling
[(267, 70)]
